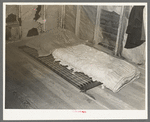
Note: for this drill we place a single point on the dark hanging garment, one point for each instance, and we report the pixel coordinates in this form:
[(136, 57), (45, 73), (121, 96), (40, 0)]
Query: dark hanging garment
[(134, 29), (32, 32), (37, 16), (11, 18)]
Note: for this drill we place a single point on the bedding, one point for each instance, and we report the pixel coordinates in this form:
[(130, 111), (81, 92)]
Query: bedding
[(114, 73), (55, 38)]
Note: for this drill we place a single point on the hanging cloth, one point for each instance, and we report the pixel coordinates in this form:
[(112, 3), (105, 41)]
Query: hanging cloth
[(134, 29), (32, 32)]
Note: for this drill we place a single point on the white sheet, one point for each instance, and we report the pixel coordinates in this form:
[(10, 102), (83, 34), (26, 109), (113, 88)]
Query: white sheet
[(112, 72)]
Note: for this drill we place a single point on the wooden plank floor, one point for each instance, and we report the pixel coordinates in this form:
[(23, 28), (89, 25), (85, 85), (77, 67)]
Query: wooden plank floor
[(30, 85)]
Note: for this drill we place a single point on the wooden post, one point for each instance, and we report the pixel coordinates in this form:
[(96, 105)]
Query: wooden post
[(20, 27), (77, 21), (62, 23), (97, 28), (44, 18), (120, 32)]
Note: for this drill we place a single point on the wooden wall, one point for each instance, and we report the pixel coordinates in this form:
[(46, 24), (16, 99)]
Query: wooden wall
[(108, 23), (52, 13), (87, 22), (12, 28), (14, 9), (70, 17), (27, 15)]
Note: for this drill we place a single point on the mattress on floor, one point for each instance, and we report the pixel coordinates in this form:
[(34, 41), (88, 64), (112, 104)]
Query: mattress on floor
[(114, 73)]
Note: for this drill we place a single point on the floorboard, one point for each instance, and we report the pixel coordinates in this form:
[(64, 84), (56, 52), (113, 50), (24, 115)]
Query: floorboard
[(30, 85)]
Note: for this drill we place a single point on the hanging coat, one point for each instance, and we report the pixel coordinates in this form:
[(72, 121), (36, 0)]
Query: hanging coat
[(134, 29), (137, 54)]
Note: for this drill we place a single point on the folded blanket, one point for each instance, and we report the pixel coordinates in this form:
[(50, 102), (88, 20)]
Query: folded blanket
[(114, 73), (46, 43)]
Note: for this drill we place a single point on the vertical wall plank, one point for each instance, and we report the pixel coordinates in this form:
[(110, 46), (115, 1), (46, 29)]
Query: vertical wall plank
[(97, 28), (52, 16), (44, 17), (63, 16), (62, 23), (77, 21), (120, 33), (20, 27)]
